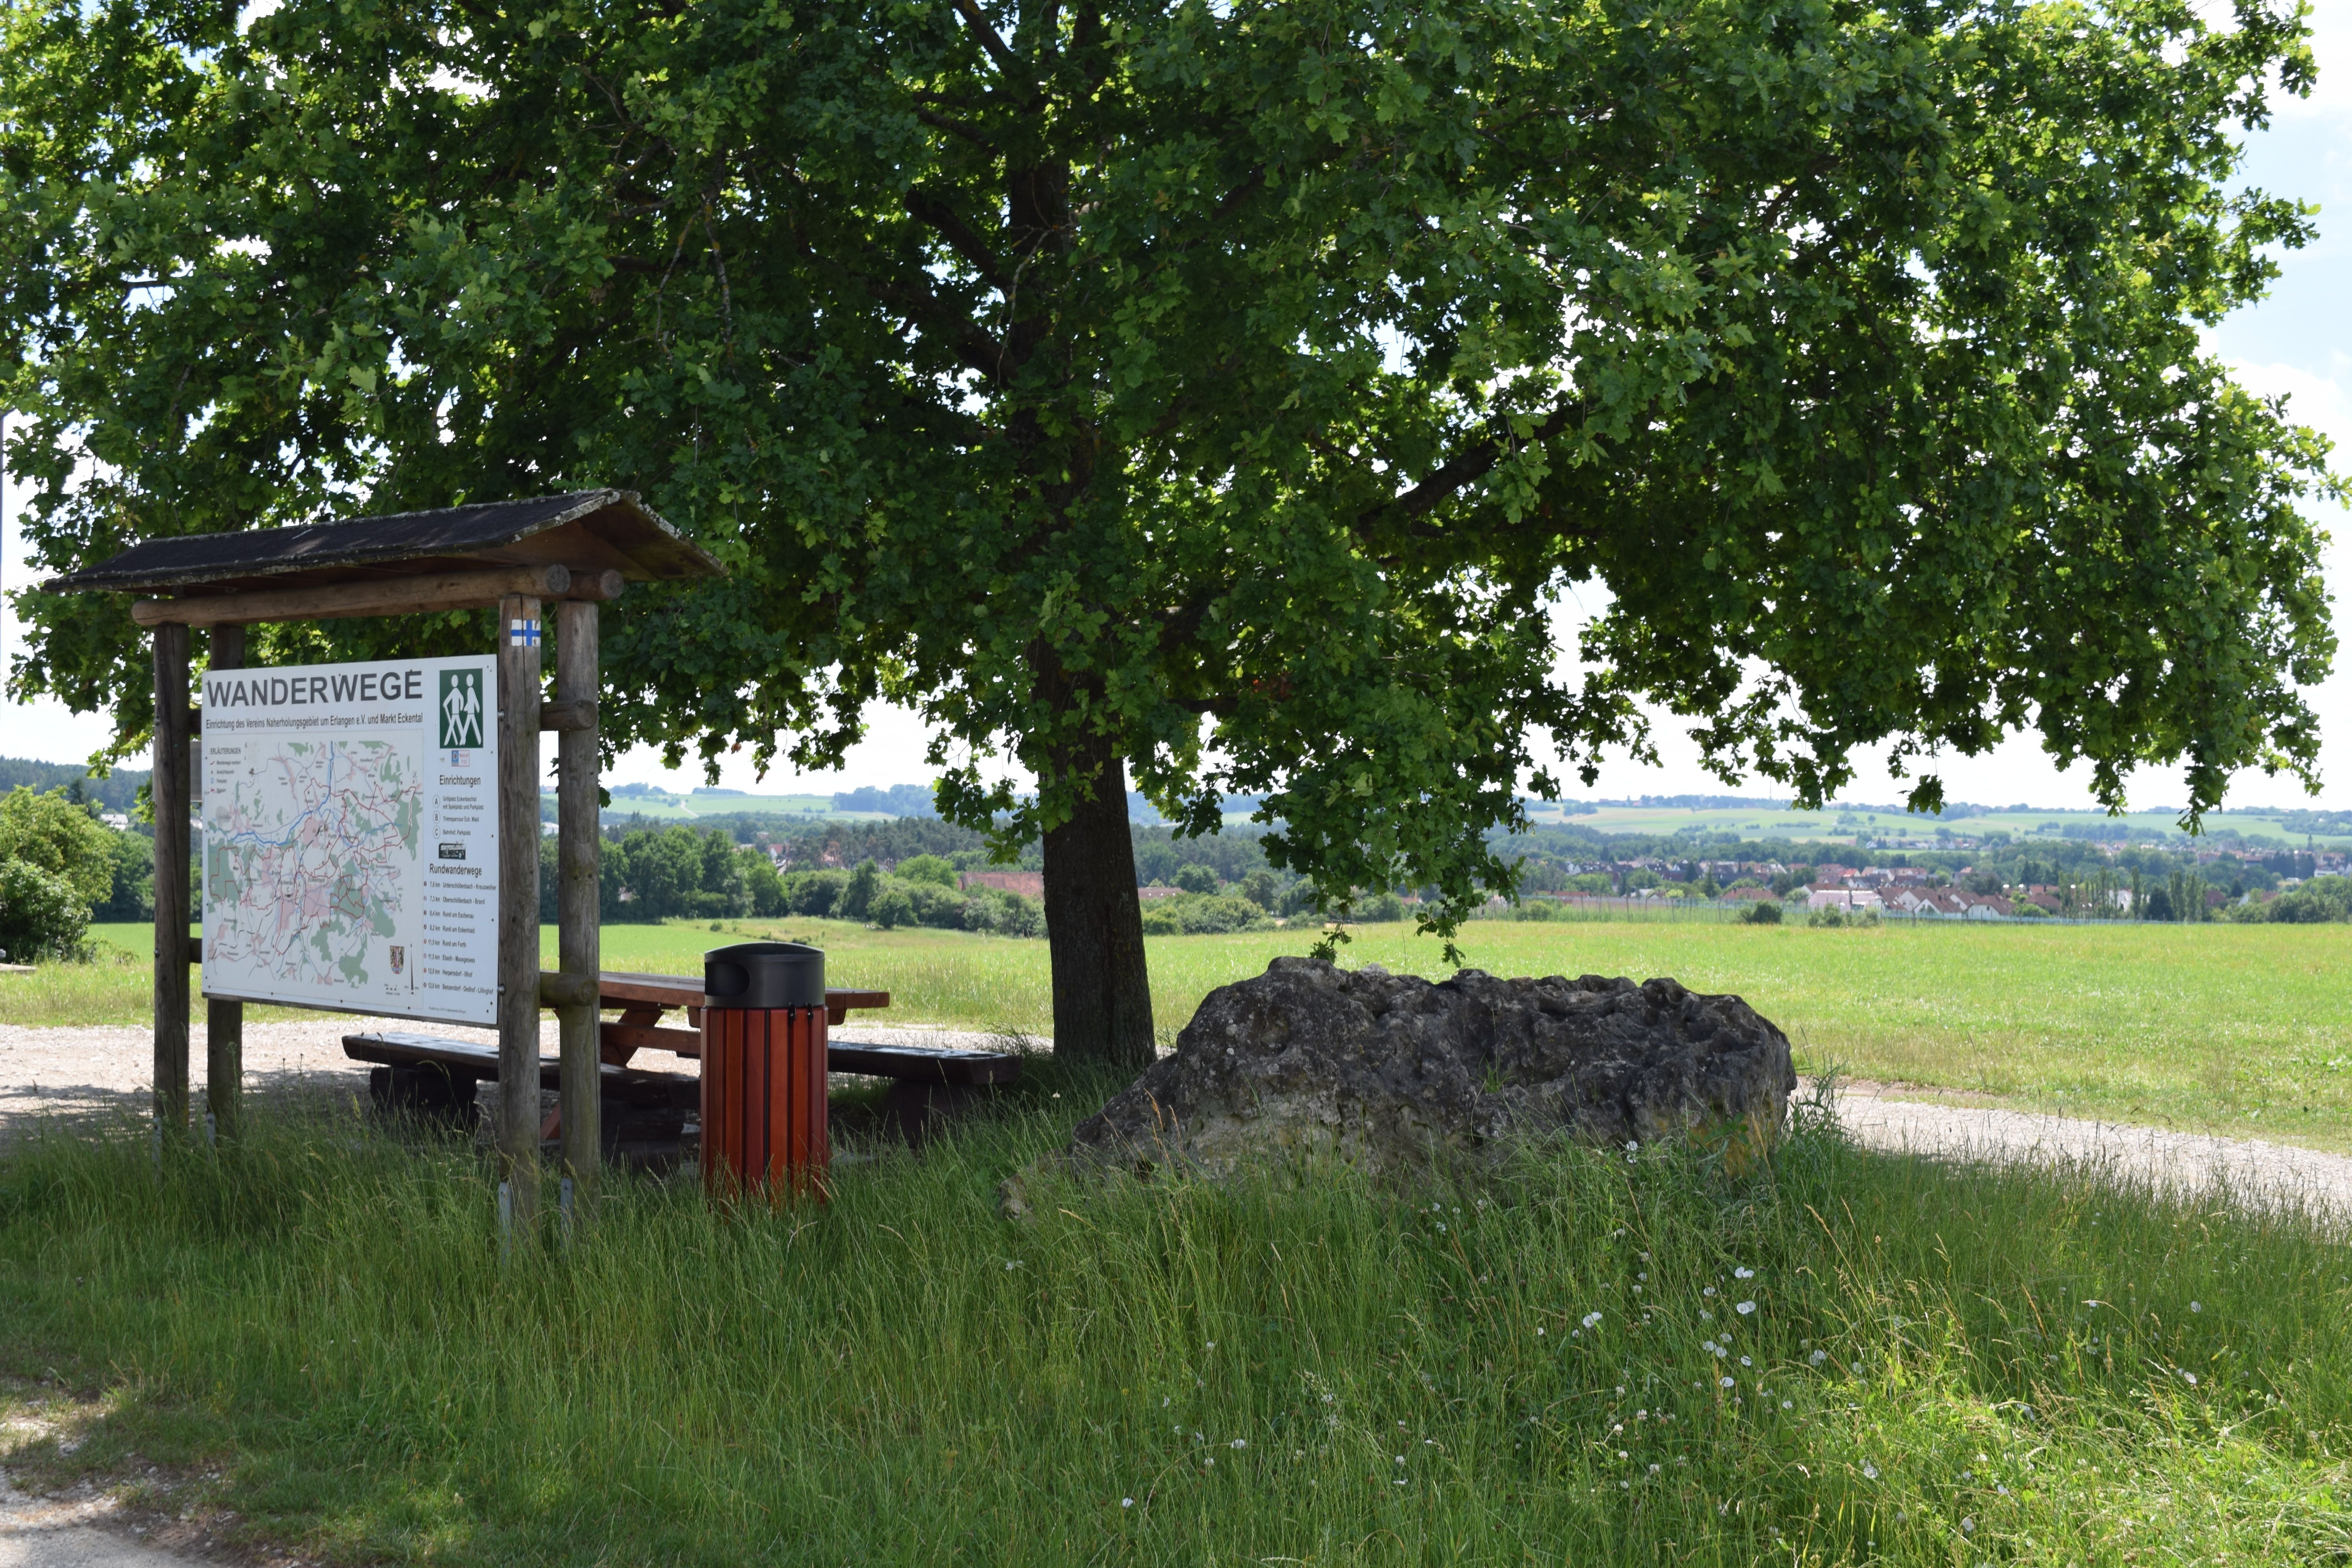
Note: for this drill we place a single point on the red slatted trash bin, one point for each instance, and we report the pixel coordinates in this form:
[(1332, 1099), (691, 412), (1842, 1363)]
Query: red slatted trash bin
[(764, 1043)]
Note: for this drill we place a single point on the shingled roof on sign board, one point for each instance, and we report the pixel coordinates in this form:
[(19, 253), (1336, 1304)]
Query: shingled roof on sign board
[(594, 531)]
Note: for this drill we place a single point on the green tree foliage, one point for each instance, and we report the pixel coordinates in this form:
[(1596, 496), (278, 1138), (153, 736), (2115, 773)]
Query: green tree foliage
[(42, 916), (858, 893), (1215, 392), (673, 872), (817, 893), (892, 905), (62, 840), (1202, 914), (929, 869), (131, 896), (2322, 899), (1196, 878)]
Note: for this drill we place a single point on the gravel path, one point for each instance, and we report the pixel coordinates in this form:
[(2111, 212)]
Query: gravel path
[(79, 1531), (2247, 1170)]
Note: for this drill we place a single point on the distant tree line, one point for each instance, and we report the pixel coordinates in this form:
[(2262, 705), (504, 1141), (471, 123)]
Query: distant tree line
[(119, 791)]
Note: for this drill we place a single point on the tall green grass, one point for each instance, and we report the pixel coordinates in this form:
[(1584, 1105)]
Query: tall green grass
[(1554, 1364)]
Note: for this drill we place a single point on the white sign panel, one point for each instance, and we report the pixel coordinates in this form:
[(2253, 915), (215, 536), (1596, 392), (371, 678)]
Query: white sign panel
[(351, 837)]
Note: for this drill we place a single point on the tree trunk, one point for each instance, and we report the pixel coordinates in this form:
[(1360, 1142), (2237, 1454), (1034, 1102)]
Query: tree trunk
[(1102, 993)]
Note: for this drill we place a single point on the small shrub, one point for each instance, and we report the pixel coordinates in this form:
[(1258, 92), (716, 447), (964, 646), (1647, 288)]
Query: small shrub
[(891, 906), (41, 916), (1533, 909), (814, 893), (55, 836), (1763, 914), (858, 893), (1014, 914), (1191, 914)]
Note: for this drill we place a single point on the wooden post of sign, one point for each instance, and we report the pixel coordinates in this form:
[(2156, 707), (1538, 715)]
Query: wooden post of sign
[(577, 678), (519, 1118), (224, 1021), (167, 792)]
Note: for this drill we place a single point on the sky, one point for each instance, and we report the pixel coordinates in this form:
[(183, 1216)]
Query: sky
[(2298, 343)]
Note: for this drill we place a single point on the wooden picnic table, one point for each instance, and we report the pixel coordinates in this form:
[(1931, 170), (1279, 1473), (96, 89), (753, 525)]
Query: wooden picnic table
[(930, 1079), (643, 998)]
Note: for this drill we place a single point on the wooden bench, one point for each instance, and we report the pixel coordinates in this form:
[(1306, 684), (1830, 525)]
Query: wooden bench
[(434, 1076)]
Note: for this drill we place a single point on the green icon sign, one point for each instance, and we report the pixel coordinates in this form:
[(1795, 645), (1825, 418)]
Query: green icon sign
[(460, 721)]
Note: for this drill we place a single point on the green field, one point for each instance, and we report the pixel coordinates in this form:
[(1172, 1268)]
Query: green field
[(2244, 1030), (695, 805), (1839, 825)]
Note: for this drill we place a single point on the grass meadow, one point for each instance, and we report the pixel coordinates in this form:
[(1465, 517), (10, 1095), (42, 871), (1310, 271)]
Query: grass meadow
[(2242, 1030), (1586, 1358)]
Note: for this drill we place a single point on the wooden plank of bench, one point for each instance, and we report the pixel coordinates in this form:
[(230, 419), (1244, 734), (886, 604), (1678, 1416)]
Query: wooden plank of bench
[(923, 1064), (399, 1048)]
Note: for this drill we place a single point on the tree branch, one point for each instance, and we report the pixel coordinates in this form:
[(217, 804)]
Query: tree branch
[(971, 133), (1459, 472), (1008, 64), (967, 241), (975, 348)]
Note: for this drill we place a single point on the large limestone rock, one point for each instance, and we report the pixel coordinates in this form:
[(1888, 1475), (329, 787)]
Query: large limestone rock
[(1390, 1070)]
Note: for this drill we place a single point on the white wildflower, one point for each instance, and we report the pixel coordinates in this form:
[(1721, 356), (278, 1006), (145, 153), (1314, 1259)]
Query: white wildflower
[(1745, 1308)]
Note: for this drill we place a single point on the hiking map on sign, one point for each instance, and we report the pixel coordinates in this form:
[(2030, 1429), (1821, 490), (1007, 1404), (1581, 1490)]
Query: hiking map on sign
[(351, 837)]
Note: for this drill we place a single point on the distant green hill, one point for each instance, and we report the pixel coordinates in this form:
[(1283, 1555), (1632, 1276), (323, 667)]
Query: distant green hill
[(655, 805), (117, 792)]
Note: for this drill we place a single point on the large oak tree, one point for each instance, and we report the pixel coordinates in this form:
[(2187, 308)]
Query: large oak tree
[(1216, 391)]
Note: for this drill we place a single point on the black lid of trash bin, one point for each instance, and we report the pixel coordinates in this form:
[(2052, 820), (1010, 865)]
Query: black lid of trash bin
[(759, 974)]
